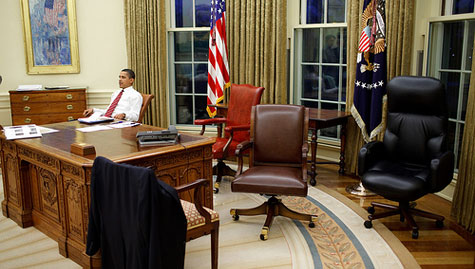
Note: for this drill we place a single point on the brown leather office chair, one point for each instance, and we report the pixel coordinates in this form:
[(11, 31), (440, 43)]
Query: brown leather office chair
[(237, 124), (147, 98), (277, 162)]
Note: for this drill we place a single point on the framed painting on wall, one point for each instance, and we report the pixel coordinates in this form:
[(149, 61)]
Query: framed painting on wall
[(51, 43)]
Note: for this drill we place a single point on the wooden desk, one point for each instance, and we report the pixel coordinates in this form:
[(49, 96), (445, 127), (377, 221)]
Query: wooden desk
[(320, 119), (47, 186)]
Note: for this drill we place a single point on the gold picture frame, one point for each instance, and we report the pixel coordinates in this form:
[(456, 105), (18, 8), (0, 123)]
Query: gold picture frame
[(50, 34)]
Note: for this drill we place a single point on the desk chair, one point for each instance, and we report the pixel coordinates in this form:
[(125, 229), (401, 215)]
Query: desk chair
[(146, 99), (242, 99), (413, 160), (277, 163), (147, 224)]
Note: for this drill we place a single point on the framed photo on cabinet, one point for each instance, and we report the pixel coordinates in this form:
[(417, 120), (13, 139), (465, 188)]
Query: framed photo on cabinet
[(50, 34)]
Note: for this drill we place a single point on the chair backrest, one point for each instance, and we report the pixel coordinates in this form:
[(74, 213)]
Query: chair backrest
[(417, 119), (242, 98), (278, 133), (146, 99)]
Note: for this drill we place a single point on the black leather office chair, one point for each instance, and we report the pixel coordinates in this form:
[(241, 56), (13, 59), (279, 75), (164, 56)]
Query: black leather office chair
[(413, 160)]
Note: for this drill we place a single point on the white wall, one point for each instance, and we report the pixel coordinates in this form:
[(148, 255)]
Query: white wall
[(102, 52)]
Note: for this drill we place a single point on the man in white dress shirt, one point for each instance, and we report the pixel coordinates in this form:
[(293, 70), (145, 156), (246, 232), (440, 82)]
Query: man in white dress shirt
[(130, 102)]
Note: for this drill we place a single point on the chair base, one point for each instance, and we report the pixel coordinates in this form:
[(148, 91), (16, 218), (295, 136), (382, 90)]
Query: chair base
[(406, 210), (220, 170), (272, 207)]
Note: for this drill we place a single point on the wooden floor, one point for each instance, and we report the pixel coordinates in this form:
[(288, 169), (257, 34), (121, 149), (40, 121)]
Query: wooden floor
[(447, 247)]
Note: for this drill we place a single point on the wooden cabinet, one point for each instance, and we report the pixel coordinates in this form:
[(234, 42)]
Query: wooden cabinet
[(47, 106)]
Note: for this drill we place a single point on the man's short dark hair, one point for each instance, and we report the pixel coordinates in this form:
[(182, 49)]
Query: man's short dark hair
[(130, 72)]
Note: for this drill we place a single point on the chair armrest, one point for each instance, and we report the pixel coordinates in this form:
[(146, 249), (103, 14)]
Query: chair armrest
[(237, 128), (204, 122), (368, 154), (240, 148), (197, 199), (442, 171), (210, 121)]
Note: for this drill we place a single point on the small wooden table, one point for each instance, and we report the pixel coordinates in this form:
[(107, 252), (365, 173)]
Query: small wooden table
[(320, 119)]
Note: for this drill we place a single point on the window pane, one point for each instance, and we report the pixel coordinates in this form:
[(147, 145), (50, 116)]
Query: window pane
[(344, 45), (310, 45), (469, 48), (200, 43), (200, 107), (314, 11), (184, 13), (452, 49), (330, 81), (336, 11), (183, 78), (201, 78), (466, 85), (184, 108), (310, 104), (462, 6), (183, 46), (332, 131), (203, 12), (331, 47), (343, 84), (310, 81), (452, 84)]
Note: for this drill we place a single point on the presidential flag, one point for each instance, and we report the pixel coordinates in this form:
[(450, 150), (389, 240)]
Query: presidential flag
[(370, 82), (218, 70)]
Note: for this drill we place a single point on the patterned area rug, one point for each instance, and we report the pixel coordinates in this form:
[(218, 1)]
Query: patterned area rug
[(339, 239)]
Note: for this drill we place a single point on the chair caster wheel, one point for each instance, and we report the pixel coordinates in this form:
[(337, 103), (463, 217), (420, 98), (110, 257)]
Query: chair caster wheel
[(370, 209), (415, 233), (264, 232), (439, 223), (216, 191), (368, 224), (311, 225), (233, 214)]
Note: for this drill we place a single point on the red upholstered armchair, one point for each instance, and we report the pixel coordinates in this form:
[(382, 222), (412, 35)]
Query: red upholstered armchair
[(237, 124)]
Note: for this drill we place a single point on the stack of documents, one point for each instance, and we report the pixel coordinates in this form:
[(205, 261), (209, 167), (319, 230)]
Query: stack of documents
[(96, 117), (29, 87), (21, 131)]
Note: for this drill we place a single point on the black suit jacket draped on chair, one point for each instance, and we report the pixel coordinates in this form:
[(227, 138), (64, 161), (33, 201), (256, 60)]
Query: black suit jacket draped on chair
[(136, 220), (413, 160)]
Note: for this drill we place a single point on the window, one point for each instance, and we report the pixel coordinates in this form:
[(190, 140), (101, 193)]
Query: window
[(188, 39), (450, 60), (319, 78)]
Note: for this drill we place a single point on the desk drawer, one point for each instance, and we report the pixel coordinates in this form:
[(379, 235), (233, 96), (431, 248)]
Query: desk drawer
[(44, 119), (34, 97), (48, 107)]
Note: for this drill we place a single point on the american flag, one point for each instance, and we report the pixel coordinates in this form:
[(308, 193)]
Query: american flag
[(218, 70), (52, 9)]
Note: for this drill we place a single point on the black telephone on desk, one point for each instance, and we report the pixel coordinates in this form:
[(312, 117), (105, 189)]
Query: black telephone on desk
[(169, 136)]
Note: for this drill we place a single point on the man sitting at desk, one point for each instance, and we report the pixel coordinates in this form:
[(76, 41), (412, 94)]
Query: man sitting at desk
[(125, 103)]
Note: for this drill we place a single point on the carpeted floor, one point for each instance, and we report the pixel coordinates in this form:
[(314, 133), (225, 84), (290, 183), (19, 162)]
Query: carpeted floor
[(339, 239)]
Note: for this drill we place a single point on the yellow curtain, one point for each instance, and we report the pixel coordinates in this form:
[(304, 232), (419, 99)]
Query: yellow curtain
[(399, 38), (256, 36), (145, 28), (463, 204)]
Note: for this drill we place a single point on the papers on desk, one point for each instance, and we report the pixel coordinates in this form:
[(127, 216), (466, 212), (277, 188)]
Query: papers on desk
[(45, 130), (22, 131), (29, 87), (114, 125), (96, 117)]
